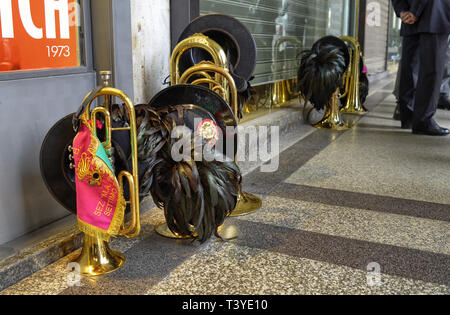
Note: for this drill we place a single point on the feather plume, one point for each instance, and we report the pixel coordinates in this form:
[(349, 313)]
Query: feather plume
[(363, 87), (320, 73), (196, 196)]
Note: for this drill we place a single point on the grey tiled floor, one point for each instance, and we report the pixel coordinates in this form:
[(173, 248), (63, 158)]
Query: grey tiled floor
[(338, 204)]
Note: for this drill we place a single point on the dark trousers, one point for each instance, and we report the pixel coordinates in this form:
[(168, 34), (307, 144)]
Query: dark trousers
[(427, 52)]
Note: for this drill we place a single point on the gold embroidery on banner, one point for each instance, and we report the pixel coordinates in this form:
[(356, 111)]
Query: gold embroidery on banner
[(92, 170), (93, 145), (84, 166), (96, 176), (101, 167), (99, 209)]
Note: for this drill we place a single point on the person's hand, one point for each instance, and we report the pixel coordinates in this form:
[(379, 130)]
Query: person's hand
[(408, 17)]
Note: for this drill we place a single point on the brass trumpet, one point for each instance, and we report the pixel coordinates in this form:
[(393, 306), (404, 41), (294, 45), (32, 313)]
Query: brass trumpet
[(217, 83), (217, 53), (247, 203), (222, 82), (96, 257), (353, 105)]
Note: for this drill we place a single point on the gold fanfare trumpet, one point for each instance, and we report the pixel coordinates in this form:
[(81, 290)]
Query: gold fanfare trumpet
[(351, 79), (96, 257), (247, 203), (216, 75), (201, 41)]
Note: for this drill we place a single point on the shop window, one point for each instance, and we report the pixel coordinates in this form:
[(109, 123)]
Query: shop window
[(40, 35)]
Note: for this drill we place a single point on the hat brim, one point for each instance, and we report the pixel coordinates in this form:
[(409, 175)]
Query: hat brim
[(54, 163), (229, 33)]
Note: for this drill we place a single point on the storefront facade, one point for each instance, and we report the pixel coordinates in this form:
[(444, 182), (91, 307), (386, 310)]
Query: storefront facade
[(51, 52)]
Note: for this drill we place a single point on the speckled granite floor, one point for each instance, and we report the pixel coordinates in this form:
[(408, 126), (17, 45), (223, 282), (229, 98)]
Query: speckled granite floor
[(379, 158), (340, 204)]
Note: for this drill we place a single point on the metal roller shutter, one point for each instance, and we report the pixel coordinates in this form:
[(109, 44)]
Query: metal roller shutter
[(269, 20)]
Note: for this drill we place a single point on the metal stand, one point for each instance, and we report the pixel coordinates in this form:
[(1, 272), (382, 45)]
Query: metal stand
[(163, 230)]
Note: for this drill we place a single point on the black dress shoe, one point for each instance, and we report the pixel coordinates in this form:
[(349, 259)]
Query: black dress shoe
[(397, 115), (407, 125), (430, 129), (444, 101)]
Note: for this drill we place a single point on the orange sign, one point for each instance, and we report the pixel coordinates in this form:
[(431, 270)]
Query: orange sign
[(39, 34)]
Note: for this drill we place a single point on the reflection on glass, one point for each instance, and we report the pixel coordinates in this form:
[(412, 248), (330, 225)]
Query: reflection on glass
[(40, 34)]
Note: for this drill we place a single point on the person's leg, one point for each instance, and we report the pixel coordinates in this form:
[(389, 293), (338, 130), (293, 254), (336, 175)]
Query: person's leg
[(432, 53), (406, 91), (415, 74), (397, 81), (396, 93), (444, 101)]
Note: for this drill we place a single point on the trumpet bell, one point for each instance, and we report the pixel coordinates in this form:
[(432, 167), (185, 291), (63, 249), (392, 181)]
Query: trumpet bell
[(163, 230), (333, 118), (97, 258), (333, 122), (247, 203)]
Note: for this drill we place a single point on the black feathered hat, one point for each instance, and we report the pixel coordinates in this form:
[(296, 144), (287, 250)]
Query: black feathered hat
[(196, 194), (198, 102), (321, 70)]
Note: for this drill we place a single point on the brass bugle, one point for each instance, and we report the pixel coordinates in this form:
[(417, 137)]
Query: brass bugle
[(201, 41), (353, 105), (246, 203), (281, 90), (96, 257), (332, 119), (133, 229)]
